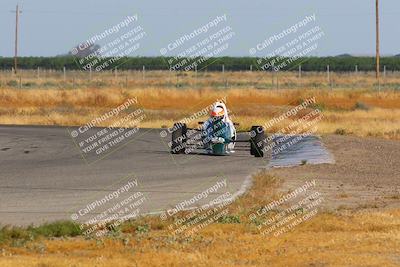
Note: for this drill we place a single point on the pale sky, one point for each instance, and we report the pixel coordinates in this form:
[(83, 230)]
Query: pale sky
[(53, 27)]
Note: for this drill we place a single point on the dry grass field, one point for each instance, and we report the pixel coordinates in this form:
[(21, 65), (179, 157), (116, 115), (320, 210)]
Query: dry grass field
[(356, 238), (349, 103)]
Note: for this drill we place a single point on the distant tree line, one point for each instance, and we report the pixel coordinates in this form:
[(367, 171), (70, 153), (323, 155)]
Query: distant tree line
[(212, 64)]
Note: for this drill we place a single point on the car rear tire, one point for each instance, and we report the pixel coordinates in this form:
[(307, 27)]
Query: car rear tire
[(178, 144), (257, 137)]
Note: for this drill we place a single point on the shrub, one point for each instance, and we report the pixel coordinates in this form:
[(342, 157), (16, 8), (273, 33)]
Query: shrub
[(12, 83), (142, 229), (320, 106), (19, 235), (57, 229), (229, 219), (340, 131), (361, 106), (29, 84)]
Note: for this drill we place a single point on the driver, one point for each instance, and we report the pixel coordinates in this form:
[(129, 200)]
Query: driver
[(219, 125)]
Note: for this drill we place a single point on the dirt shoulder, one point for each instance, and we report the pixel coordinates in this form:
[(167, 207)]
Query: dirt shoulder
[(366, 173)]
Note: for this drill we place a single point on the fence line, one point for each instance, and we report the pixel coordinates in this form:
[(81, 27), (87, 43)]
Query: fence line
[(257, 79)]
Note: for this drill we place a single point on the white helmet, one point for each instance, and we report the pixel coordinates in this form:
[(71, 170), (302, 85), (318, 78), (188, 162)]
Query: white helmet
[(219, 110)]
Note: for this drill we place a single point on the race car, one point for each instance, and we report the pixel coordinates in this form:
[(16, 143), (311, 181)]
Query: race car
[(216, 136)]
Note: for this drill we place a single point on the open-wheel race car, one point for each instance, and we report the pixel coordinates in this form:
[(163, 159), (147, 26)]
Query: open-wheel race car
[(186, 140), (217, 136)]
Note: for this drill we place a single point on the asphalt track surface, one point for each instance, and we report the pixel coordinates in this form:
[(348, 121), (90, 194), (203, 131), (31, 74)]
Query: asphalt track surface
[(45, 176), (48, 175)]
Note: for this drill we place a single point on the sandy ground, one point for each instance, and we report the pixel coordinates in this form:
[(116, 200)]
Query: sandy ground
[(366, 173)]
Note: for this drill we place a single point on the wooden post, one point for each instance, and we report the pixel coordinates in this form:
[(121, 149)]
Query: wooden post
[(223, 73), (17, 11), (169, 77), (378, 78), (384, 75), (377, 38), (299, 71), (195, 72), (273, 75), (328, 75), (38, 71), (177, 79), (143, 72), (251, 67), (277, 81), (64, 74)]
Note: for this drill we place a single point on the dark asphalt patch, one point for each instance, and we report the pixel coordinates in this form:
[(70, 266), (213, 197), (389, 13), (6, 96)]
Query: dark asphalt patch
[(295, 150)]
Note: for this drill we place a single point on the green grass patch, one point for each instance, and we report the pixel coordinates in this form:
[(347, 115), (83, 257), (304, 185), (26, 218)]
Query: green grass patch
[(16, 234)]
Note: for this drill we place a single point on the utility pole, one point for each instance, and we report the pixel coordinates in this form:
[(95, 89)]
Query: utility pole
[(377, 40), (17, 12)]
